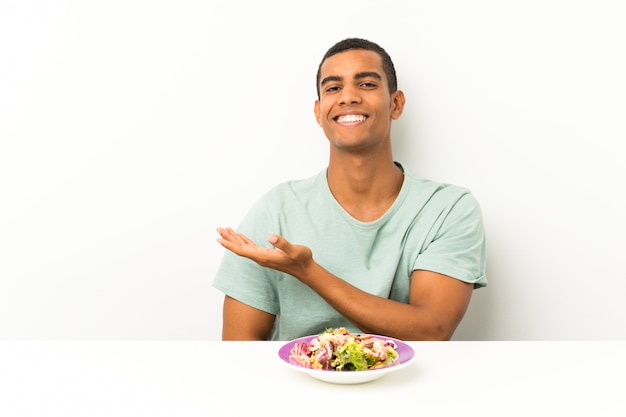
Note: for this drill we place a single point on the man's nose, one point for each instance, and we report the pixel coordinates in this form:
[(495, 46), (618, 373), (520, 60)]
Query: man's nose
[(350, 95)]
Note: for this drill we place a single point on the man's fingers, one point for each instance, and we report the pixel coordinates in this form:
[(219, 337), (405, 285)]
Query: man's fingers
[(279, 242), (284, 245), (231, 239), (274, 239), (230, 235)]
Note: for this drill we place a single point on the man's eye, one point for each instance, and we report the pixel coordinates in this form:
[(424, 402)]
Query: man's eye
[(333, 89), (368, 85)]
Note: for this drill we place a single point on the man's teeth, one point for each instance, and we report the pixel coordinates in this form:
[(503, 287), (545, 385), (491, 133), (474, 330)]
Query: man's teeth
[(351, 118)]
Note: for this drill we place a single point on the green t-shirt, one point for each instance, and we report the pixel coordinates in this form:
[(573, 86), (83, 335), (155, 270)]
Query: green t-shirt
[(431, 226)]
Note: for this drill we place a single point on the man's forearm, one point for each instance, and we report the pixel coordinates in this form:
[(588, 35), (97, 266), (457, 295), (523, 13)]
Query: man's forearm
[(371, 313)]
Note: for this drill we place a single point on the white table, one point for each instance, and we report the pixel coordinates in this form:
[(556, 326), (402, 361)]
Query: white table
[(67, 378)]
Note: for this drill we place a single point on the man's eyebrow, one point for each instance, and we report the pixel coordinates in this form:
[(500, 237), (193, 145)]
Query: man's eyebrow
[(367, 74), (331, 78)]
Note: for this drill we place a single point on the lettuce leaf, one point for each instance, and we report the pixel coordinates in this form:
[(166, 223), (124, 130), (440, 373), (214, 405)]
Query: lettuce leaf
[(350, 357)]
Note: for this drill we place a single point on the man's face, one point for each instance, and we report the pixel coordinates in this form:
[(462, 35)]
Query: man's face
[(355, 108)]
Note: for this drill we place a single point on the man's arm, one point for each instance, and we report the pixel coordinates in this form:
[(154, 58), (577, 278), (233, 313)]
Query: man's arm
[(437, 303), (242, 322)]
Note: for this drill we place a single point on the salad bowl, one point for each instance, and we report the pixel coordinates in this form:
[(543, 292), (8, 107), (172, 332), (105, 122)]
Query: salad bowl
[(406, 355)]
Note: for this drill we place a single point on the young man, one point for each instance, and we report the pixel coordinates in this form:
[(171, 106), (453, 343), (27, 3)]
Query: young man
[(363, 244)]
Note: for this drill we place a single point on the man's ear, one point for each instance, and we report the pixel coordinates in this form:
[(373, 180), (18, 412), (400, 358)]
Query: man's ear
[(397, 104), (316, 110)]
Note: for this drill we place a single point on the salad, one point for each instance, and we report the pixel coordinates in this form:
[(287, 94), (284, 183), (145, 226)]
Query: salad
[(340, 350)]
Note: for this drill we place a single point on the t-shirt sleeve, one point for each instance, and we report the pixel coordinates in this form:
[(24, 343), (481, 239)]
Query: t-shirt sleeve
[(457, 247)]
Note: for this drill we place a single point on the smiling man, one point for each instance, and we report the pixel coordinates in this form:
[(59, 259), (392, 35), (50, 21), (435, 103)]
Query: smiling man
[(364, 244)]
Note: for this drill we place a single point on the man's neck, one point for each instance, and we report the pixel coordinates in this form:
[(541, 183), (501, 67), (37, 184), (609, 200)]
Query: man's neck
[(363, 185)]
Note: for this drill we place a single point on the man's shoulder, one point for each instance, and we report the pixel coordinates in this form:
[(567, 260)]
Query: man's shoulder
[(439, 197), (436, 187), (296, 186)]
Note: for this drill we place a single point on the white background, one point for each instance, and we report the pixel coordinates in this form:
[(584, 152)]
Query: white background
[(130, 130)]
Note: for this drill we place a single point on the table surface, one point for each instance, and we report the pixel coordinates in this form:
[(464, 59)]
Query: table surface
[(211, 378)]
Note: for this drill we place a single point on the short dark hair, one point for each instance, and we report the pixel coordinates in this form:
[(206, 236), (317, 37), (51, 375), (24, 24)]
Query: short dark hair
[(357, 43)]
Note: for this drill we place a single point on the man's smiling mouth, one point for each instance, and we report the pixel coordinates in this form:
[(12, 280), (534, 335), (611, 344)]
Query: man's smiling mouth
[(350, 118)]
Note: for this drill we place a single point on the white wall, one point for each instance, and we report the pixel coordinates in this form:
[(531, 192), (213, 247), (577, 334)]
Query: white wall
[(130, 130)]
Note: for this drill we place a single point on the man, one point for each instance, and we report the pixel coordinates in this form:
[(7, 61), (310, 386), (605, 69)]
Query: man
[(363, 244)]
